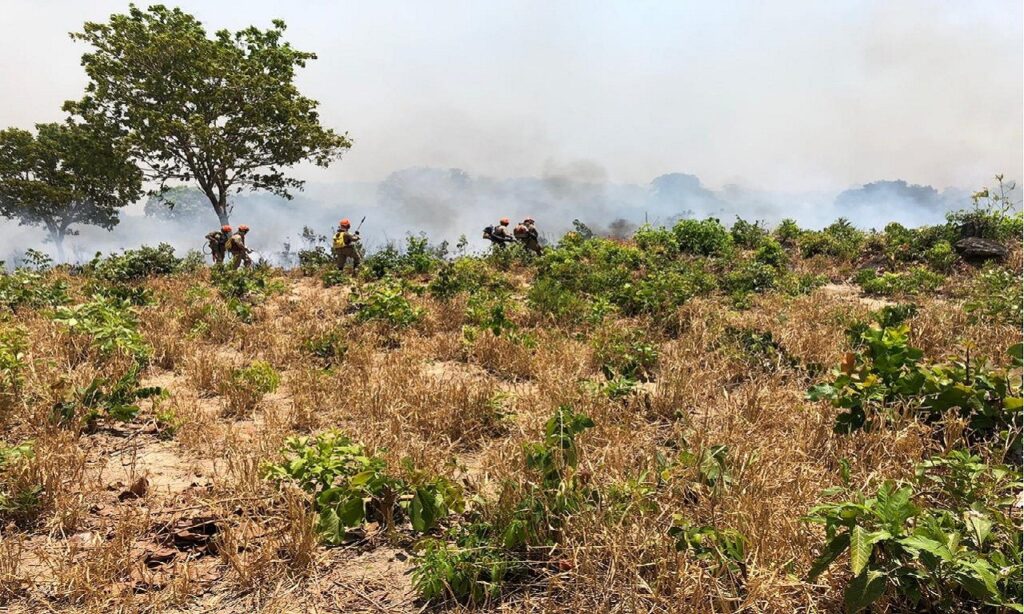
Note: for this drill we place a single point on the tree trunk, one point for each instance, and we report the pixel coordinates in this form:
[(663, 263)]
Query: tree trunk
[(57, 236), (222, 213)]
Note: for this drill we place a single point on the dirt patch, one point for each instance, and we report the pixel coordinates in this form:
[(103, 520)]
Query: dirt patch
[(853, 293)]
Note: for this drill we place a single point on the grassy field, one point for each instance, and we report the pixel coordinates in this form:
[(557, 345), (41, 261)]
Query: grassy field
[(698, 419)]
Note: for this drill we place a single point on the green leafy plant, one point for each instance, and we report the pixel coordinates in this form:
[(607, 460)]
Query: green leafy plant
[(725, 549), (351, 487), (111, 324), (246, 386), (914, 281), (25, 288), (933, 544), (747, 235), (997, 294), (384, 302), (626, 353), (328, 348), (136, 264), (105, 400), (702, 237)]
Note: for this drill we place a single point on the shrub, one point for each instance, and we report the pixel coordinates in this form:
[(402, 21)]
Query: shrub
[(997, 294), (471, 567), (383, 302), (462, 275), (750, 276), (246, 387), (13, 345), (626, 353), (550, 297), (350, 486), (328, 348), (333, 277), (887, 374), (947, 541), (747, 235), (771, 253), (659, 243), (941, 257), (105, 400), (314, 259), (840, 240), (110, 324), (136, 264), (26, 288), (993, 215), (788, 232), (914, 281), (702, 237)]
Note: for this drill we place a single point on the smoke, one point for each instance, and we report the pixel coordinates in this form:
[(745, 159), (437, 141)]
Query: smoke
[(446, 203)]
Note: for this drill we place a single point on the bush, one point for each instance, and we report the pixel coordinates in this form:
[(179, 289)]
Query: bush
[(462, 275), (659, 243), (788, 232), (314, 259), (914, 281), (25, 288), (888, 376), (747, 235), (329, 348), (351, 487), (750, 276), (383, 302), (136, 264), (702, 237), (997, 294), (106, 400), (947, 541), (333, 277), (626, 353), (246, 387), (839, 240), (993, 215), (772, 254), (110, 324), (941, 257)]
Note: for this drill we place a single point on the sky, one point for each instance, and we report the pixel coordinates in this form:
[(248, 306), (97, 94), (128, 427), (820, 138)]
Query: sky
[(769, 95)]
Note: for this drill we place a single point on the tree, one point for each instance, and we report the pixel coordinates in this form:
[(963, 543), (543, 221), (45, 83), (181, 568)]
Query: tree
[(223, 111), (64, 175)]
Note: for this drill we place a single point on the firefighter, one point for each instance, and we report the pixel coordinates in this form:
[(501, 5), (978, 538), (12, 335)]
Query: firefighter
[(218, 240), (239, 252), (499, 235), (526, 233), (344, 246)]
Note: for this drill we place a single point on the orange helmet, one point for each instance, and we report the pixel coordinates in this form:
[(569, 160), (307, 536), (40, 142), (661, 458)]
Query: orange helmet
[(503, 221), (225, 228), (344, 222), (243, 228)]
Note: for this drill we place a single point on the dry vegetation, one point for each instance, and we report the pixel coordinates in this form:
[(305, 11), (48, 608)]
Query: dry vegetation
[(701, 427)]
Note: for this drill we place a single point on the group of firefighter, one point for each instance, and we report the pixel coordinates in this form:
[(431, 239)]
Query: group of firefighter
[(345, 242)]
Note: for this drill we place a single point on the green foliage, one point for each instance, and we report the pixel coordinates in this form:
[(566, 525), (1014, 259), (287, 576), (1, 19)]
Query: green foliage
[(13, 346), (30, 289), (788, 232), (702, 237), (993, 215), (333, 277), (623, 352), (888, 374), (260, 377), (67, 174), (839, 240), (941, 257), (725, 549), (383, 301), (243, 288), (997, 294), (747, 235), (750, 276), (462, 275), (471, 568), (948, 541), (329, 348), (418, 258), (136, 264), (771, 253), (171, 94), (19, 499), (659, 242), (314, 259), (350, 486), (914, 281), (105, 400), (760, 349), (797, 284), (111, 324)]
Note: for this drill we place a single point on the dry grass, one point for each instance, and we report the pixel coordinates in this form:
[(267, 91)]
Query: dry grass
[(458, 408)]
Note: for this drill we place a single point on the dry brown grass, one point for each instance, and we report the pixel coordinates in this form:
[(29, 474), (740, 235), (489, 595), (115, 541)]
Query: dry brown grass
[(461, 409)]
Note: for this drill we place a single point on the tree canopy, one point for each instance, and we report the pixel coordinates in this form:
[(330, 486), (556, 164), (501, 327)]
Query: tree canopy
[(223, 112), (177, 204), (63, 175)]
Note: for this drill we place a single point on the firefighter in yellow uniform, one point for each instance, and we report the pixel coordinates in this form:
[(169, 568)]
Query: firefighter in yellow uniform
[(239, 252), (344, 246)]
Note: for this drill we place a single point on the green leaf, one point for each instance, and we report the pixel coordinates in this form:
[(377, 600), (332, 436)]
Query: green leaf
[(329, 526), (980, 525), (351, 512), (832, 551), (864, 590), (921, 543), (860, 550)]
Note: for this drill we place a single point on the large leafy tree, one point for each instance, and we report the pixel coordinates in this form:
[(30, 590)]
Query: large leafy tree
[(65, 175), (222, 111), (178, 204)]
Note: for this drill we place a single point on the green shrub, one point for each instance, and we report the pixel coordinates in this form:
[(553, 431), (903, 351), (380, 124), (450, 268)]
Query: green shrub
[(702, 237), (471, 567), (996, 294), (383, 301), (941, 257), (913, 281), (724, 549), (329, 348), (750, 276), (887, 376), (333, 277), (135, 264), (550, 297), (105, 400), (747, 235), (626, 353), (351, 487), (26, 288), (797, 284), (771, 253), (947, 541), (993, 215), (788, 232), (658, 242), (110, 324), (463, 275), (839, 240), (314, 259), (20, 498)]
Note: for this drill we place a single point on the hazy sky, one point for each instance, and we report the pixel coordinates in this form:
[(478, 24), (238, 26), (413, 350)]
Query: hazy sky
[(778, 95)]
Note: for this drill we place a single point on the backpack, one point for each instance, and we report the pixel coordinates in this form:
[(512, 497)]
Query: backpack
[(521, 232), (488, 231), (339, 240)]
